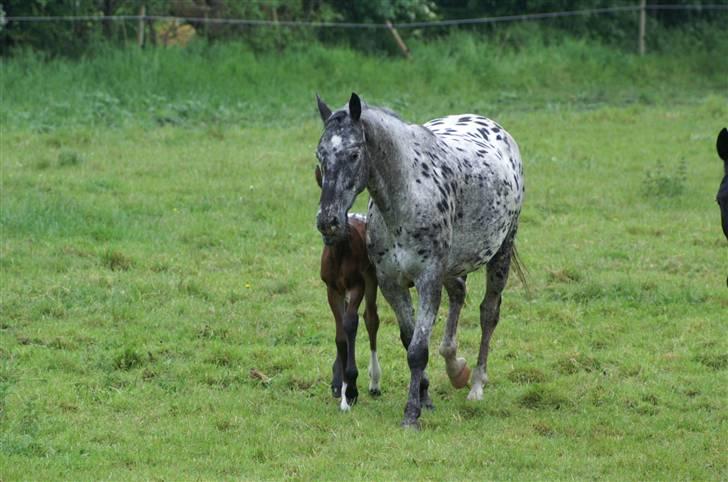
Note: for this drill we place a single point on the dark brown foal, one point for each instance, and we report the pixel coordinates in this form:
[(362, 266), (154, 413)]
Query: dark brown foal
[(351, 278)]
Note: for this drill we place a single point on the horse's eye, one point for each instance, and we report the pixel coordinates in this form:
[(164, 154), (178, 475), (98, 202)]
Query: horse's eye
[(355, 156)]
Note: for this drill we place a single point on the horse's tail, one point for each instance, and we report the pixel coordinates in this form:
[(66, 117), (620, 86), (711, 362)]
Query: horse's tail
[(521, 270)]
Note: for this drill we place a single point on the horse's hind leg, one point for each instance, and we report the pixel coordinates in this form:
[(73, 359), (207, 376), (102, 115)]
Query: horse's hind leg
[(371, 318), (497, 276), (456, 367)]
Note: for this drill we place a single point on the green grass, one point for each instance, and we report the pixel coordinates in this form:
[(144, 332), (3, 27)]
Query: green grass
[(150, 271), (223, 84)]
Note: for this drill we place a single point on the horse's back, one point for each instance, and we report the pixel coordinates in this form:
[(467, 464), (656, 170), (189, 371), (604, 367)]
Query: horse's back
[(487, 166)]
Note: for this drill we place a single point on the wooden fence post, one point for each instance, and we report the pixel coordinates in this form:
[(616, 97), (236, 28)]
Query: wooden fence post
[(140, 30), (643, 21), (398, 39)]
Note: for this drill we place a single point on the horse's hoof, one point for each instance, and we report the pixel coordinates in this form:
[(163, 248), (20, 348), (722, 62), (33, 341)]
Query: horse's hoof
[(336, 392), (461, 379), (476, 393), (375, 392), (347, 403), (351, 395), (428, 405), (408, 424)]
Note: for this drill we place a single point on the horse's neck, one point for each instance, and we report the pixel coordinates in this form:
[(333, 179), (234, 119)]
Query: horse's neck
[(391, 172)]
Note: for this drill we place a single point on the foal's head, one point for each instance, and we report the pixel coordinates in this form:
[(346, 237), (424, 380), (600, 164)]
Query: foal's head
[(722, 197), (343, 166)]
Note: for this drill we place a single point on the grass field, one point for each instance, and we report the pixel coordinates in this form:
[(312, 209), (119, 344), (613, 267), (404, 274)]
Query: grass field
[(152, 258)]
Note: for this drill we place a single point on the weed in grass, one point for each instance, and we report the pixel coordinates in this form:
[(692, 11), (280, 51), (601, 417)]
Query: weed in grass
[(128, 359), (565, 275), (223, 357), (209, 333), (193, 288), (116, 260), (543, 429), (714, 361), (577, 362), (527, 375), (69, 158), (42, 164), (541, 397), (664, 183)]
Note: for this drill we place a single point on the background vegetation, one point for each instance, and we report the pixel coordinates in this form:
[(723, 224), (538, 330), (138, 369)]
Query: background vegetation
[(161, 315), (76, 38)]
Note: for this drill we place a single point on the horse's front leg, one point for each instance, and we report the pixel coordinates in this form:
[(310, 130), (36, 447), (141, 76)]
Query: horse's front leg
[(429, 287), (349, 392), (337, 305)]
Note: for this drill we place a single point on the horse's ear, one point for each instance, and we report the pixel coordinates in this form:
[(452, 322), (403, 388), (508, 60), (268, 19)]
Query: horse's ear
[(318, 175), (355, 106), (323, 109), (722, 144)]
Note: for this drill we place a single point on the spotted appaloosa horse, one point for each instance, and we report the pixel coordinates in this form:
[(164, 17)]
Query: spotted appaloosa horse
[(445, 200), (721, 145), (350, 277)]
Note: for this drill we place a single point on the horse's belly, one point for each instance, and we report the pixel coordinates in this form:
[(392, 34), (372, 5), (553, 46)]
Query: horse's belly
[(485, 214), (472, 248)]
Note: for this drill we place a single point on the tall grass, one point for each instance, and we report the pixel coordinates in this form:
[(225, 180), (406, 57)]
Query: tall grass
[(228, 83)]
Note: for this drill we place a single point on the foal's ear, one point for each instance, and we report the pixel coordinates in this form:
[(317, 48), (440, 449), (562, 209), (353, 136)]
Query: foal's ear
[(355, 106), (323, 109), (318, 176), (722, 144)]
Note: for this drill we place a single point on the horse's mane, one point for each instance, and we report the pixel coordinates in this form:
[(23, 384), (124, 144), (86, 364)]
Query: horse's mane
[(340, 114), (384, 110)]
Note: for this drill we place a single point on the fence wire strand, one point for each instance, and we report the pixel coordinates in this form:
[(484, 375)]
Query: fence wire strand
[(351, 25)]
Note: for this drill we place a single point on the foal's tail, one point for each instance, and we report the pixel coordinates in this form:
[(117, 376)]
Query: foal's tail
[(521, 270)]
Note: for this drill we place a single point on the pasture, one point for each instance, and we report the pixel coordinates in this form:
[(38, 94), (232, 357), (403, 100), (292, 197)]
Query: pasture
[(162, 317)]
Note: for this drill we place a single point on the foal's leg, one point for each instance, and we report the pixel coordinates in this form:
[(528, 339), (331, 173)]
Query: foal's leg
[(497, 274), (349, 392), (456, 367), (371, 318), (337, 305)]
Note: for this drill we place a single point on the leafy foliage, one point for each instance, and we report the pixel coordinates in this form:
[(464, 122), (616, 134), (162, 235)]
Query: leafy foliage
[(75, 38)]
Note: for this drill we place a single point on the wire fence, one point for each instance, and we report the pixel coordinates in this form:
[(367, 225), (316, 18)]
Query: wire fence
[(349, 25)]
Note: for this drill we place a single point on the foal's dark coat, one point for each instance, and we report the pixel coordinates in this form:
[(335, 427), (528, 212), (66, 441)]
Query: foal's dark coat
[(350, 277)]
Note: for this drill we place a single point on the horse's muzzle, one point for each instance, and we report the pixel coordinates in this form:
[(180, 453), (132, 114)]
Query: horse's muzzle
[(331, 229)]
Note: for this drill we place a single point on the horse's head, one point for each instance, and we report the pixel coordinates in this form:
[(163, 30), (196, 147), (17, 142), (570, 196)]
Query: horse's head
[(343, 167), (722, 197)]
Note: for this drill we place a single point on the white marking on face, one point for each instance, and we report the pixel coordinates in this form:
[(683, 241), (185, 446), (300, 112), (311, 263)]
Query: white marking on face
[(345, 407), (335, 141)]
